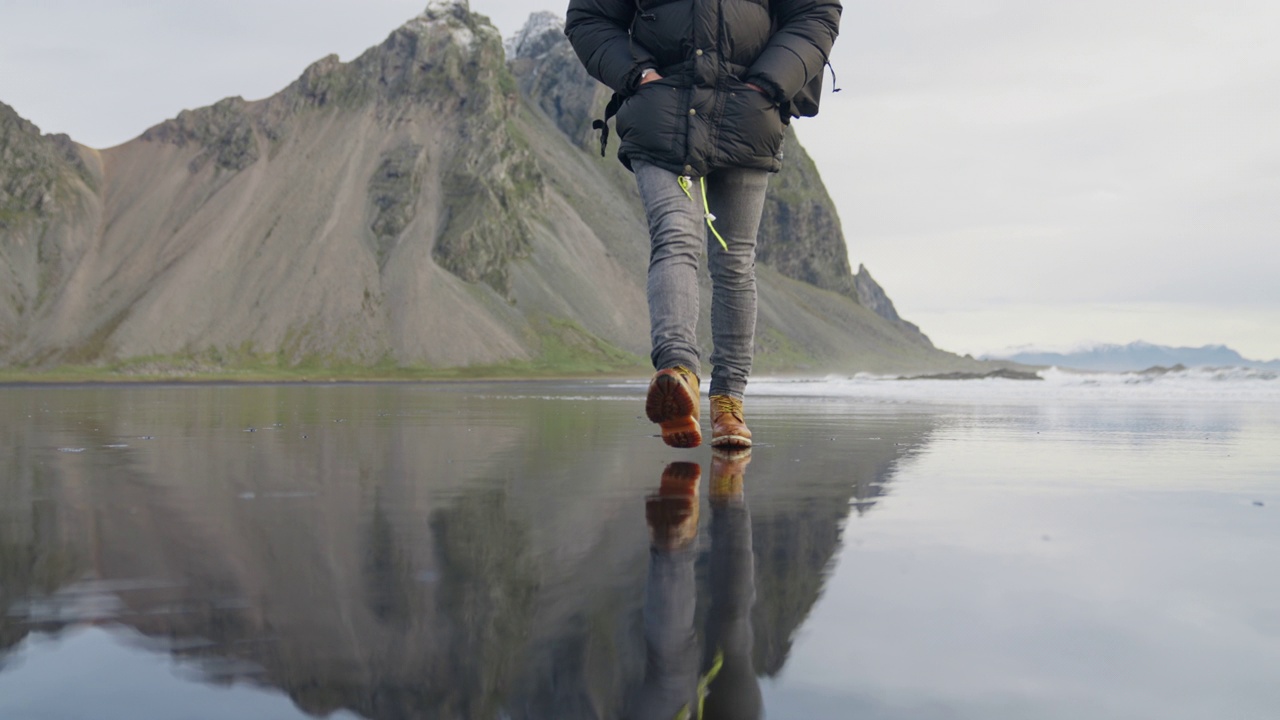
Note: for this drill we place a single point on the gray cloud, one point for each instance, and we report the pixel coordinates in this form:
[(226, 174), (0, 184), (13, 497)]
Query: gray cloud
[(1066, 153)]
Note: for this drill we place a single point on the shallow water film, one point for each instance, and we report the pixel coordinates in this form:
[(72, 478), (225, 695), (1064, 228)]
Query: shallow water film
[(532, 550)]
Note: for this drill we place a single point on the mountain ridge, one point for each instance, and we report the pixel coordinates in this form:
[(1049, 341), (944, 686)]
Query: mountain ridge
[(431, 203), (1134, 356)]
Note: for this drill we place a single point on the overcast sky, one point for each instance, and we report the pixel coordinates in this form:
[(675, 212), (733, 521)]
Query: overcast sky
[(1012, 171)]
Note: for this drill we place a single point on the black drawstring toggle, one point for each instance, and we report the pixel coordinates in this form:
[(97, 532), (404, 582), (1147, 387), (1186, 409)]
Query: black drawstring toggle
[(603, 127), (610, 110)]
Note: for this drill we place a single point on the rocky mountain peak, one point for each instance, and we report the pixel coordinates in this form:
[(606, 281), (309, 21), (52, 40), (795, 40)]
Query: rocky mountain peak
[(454, 19), (539, 36), (10, 117), (873, 297), (224, 131), (445, 52), (34, 168), (550, 75), (445, 57), (457, 8)]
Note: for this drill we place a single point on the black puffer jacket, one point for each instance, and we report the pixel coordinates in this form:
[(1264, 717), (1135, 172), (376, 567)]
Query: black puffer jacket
[(701, 115)]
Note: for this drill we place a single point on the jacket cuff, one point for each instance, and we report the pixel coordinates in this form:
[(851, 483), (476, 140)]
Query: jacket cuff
[(770, 88), (633, 76), (640, 59)]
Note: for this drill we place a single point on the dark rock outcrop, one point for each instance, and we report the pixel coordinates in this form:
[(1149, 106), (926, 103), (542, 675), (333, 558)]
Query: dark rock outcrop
[(552, 77), (223, 132), (800, 232), (37, 171), (393, 194), (1001, 374), (873, 297)]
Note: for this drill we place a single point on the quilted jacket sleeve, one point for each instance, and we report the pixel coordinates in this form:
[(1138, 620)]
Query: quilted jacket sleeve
[(599, 32), (798, 49)]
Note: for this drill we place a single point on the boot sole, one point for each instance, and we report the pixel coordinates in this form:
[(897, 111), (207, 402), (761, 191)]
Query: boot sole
[(680, 479), (671, 406), (731, 442)]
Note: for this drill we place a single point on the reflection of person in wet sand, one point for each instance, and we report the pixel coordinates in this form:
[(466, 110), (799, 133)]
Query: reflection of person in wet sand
[(724, 684)]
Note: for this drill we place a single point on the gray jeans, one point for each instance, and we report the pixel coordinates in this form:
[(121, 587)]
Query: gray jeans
[(678, 234)]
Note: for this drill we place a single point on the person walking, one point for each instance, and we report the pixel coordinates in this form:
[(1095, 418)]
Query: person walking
[(703, 90)]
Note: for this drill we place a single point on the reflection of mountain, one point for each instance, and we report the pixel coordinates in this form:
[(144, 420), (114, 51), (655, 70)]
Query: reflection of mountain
[(434, 554), (799, 515), (34, 559)]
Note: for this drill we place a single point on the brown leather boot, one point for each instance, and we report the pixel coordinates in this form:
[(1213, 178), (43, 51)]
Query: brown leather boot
[(728, 428), (673, 404)]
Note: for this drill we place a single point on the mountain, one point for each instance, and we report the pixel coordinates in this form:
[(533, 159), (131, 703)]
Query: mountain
[(1138, 356), (430, 204)]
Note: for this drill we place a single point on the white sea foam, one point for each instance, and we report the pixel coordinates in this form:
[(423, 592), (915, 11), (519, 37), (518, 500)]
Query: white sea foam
[(1194, 385)]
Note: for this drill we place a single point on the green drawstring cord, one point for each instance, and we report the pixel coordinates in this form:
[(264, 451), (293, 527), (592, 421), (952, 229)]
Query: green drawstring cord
[(685, 183), (703, 684)]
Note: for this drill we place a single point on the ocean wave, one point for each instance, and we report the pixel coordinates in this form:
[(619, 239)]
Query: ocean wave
[(1194, 384)]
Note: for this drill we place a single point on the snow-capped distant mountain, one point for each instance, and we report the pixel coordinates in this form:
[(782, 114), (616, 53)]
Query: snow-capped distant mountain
[(1136, 356)]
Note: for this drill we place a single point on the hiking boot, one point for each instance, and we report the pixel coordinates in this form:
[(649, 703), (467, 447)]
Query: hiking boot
[(673, 404), (728, 428), (672, 512), (728, 466)]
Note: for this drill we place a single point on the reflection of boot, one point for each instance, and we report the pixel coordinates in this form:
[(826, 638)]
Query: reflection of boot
[(727, 469), (672, 512), (670, 600), (733, 691)]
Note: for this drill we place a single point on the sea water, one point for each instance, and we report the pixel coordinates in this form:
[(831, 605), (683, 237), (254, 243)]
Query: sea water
[(1099, 546)]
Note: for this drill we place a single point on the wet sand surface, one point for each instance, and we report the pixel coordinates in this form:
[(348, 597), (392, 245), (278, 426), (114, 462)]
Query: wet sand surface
[(532, 550)]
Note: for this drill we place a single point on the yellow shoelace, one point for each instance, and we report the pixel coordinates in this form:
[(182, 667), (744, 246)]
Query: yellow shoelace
[(690, 376), (727, 404)]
